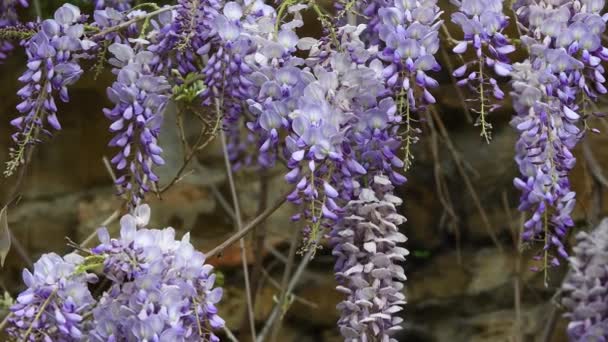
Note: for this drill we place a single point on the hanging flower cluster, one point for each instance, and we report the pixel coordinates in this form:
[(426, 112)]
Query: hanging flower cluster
[(586, 286), (551, 93), (482, 23), (547, 135), (366, 247), (53, 54), (139, 98), (409, 41), (160, 290)]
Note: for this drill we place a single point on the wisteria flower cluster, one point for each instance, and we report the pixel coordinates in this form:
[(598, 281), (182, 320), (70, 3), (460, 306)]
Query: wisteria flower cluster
[(552, 92), (366, 247), (160, 290), (55, 301), (53, 54), (482, 23), (139, 98), (585, 286)]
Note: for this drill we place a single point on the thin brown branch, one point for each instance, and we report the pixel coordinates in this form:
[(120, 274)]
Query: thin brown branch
[(469, 185), (275, 314), (259, 238), (249, 227), (285, 281), (102, 34), (239, 227)]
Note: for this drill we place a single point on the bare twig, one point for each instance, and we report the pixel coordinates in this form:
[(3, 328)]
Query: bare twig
[(292, 284), (5, 320), (106, 222), (239, 227), (249, 227), (594, 166), (102, 34), (285, 281), (277, 286), (260, 237), (229, 334), (222, 202), (467, 180)]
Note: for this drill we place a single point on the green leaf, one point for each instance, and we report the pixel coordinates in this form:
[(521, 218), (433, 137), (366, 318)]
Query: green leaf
[(5, 236)]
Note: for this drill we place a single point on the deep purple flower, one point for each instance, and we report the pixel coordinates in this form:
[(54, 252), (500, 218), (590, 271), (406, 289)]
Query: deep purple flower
[(552, 91), (548, 133), (482, 23), (139, 98), (53, 54)]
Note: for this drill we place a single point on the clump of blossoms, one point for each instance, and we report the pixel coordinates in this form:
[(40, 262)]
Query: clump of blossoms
[(53, 55), (139, 98), (543, 152), (586, 285), (409, 41), (365, 244), (552, 93), (9, 18), (482, 23), (55, 301), (187, 38), (160, 290)]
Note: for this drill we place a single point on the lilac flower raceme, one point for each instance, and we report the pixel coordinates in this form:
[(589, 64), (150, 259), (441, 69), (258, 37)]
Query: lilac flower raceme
[(482, 23), (53, 54), (187, 39), (53, 305), (554, 90), (548, 133), (563, 32), (365, 244), (119, 5), (409, 40), (8, 17), (139, 98), (161, 290), (585, 287)]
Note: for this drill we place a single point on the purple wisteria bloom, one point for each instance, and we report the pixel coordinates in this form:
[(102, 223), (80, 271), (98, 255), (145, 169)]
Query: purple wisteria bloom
[(53, 54), (162, 290), (548, 133), (139, 98), (482, 23), (552, 92), (52, 307), (409, 41), (365, 244), (585, 287), (188, 37), (9, 17)]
